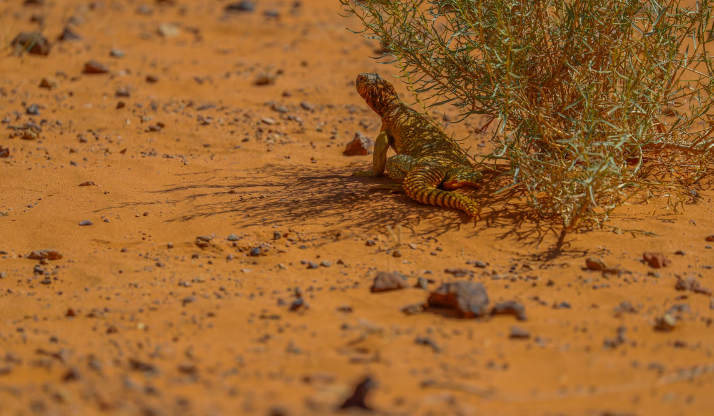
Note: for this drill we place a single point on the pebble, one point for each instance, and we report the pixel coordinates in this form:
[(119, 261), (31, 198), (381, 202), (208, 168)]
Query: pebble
[(255, 251), (123, 92), (68, 35), (49, 82), (413, 309), (4, 153), (467, 298), (276, 235), (244, 6), (203, 241), (307, 106), (233, 237), (396, 253), (168, 30), (88, 183), (427, 342), (359, 146), (386, 281), (666, 323), (32, 42), (422, 283), (656, 260), (370, 243), (510, 308), (85, 223), (312, 265), (94, 67), (519, 333), (709, 238), (594, 263), (116, 53), (325, 263), (479, 264), (692, 284), (152, 79), (33, 110)]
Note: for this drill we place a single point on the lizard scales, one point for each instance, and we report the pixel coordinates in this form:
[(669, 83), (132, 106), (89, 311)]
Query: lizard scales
[(426, 157)]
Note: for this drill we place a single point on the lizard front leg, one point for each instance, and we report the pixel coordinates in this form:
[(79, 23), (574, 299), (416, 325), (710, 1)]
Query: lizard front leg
[(379, 158), (421, 184), (398, 166)]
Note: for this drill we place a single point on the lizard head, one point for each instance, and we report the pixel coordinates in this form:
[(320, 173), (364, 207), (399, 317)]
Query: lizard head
[(376, 91)]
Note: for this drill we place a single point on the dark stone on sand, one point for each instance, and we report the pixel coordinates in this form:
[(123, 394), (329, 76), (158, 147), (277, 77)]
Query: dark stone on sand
[(469, 299), (386, 281)]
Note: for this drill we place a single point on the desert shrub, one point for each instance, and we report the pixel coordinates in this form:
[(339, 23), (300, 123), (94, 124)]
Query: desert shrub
[(593, 102)]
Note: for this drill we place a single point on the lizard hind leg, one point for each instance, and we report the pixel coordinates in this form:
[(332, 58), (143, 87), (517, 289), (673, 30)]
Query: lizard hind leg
[(399, 166), (462, 176), (421, 185)]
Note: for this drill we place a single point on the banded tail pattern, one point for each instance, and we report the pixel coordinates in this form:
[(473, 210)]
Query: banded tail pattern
[(421, 185)]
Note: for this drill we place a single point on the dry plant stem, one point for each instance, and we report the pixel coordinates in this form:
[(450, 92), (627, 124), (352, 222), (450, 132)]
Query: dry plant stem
[(580, 88)]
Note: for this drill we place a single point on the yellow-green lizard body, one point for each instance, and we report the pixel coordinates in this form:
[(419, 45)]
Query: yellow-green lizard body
[(426, 157)]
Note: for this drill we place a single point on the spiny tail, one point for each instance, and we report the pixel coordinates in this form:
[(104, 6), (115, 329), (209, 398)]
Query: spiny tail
[(420, 186)]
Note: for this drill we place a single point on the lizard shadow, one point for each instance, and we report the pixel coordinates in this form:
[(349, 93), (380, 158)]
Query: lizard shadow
[(294, 195)]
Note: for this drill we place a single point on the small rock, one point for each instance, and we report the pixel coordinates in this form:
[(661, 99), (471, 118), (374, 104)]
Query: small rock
[(325, 263), (594, 263), (277, 235), (457, 272), (233, 237), (307, 106), (680, 253), (124, 92), (298, 304), (427, 342), (386, 281), (85, 223), (45, 255), (88, 183), (32, 42), (265, 78), (116, 53), (244, 6), (312, 265), (370, 243), (656, 260), (168, 30), (49, 82), (692, 284), (396, 253), (519, 333), (152, 79), (255, 251), (666, 323), (624, 307), (268, 120), (467, 298), (4, 153), (413, 309), (271, 13), (422, 283), (68, 35), (709, 238), (479, 264), (359, 146), (33, 110), (203, 241), (358, 398), (94, 67), (510, 308)]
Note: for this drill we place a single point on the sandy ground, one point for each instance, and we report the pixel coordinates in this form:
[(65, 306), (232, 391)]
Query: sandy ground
[(140, 316)]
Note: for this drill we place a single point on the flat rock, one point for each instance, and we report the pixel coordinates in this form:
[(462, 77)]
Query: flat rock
[(656, 260), (692, 284), (519, 333), (359, 146), (594, 263), (386, 281), (94, 67), (510, 308), (45, 255), (467, 298), (4, 152)]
